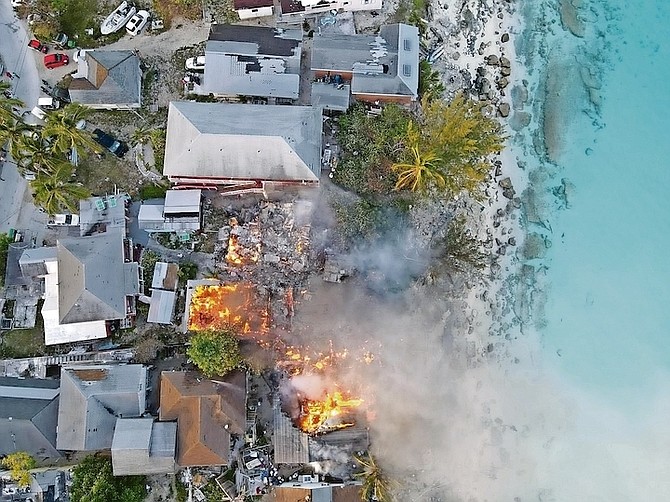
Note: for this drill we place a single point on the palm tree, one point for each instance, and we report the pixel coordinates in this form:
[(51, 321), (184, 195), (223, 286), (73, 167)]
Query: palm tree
[(33, 154), (13, 133), (62, 133), (376, 486), (55, 191), (423, 169), (7, 105)]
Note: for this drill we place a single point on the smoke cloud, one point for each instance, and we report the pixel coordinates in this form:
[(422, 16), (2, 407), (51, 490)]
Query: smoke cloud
[(464, 413)]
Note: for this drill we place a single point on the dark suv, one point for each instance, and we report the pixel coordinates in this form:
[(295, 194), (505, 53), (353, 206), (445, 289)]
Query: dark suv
[(118, 148)]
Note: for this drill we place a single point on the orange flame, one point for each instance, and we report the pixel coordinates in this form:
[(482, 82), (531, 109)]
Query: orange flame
[(222, 306), (238, 255), (327, 414)]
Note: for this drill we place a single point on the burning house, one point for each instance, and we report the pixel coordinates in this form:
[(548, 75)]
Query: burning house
[(212, 304)]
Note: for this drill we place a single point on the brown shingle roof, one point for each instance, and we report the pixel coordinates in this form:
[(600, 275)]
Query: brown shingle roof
[(203, 409)]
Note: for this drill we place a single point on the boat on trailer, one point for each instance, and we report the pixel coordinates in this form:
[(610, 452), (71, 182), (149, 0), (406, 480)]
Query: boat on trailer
[(117, 19)]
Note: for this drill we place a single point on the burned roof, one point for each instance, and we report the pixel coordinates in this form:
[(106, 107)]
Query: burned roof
[(207, 412), (256, 39)]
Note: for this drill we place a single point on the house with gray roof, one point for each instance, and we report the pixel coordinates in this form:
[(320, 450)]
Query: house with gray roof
[(92, 398), (107, 80), (143, 446), (252, 61), (28, 416), (92, 282), (382, 67), (49, 486), (240, 148)]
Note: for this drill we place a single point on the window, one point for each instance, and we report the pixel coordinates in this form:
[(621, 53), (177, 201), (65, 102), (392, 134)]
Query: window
[(407, 44), (407, 70)]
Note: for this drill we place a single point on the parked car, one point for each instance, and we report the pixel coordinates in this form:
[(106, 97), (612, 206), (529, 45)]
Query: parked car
[(56, 60), (196, 64), (137, 23), (61, 40), (39, 113), (118, 148), (64, 220), (38, 46), (48, 103)]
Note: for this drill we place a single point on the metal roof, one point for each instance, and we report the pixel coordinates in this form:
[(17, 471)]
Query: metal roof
[(182, 201), (290, 444), (108, 79), (143, 446), (161, 307), (166, 276), (243, 142)]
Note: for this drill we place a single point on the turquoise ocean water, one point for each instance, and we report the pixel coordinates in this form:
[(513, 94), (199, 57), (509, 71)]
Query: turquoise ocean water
[(605, 280), (608, 309)]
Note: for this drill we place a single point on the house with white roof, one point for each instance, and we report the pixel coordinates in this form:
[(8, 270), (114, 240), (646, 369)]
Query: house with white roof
[(181, 211), (238, 148)]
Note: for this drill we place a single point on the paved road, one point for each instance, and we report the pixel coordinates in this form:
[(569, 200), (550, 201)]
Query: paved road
[(18, 59)]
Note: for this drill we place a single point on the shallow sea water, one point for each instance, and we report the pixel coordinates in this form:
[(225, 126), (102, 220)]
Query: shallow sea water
[(605, 329)]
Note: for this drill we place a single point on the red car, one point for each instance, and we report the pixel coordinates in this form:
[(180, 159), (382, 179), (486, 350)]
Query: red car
[(56, 60), (38, 46)]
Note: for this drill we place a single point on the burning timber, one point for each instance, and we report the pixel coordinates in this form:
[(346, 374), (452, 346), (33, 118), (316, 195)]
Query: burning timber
[(212, 304), (330, 413)]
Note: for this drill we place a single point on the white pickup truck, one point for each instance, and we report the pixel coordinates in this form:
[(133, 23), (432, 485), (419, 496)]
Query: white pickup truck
[(60, 220)]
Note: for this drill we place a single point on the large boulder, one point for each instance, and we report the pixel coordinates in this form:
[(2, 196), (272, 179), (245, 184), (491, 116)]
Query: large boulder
[(504, 109)]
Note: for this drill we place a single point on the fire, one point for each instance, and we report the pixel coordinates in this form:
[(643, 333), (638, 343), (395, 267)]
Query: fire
[(236, 253), (222, 306), (328, 414), (297, 360)]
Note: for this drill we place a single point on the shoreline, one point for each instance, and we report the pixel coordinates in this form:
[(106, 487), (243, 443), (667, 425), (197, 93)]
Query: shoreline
[(498, 223)]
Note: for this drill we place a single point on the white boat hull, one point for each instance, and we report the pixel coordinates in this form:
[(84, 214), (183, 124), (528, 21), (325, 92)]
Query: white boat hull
[(117, 19)]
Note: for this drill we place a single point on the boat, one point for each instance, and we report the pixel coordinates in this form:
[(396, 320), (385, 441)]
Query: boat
[(117, 19)]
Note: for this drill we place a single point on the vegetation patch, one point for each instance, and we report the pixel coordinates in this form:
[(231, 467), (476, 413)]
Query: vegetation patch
[(94, 481), (371, 144), (215, 353)]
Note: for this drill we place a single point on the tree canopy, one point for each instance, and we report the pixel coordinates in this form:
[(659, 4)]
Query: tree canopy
[(43, 151), (450, 148), (93, 481), (19, 465), (215, 352)]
